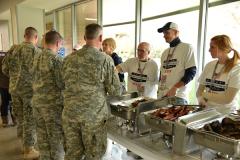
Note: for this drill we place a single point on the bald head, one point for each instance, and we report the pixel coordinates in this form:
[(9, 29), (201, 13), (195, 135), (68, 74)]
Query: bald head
[(145, 45), (143, 51)]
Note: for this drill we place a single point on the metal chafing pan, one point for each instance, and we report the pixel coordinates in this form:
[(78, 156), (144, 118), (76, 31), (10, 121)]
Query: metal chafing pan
[(126, 96), (125, 110), (199, 117), (183, 139), (114, 99), (158, 124), (216, 141)]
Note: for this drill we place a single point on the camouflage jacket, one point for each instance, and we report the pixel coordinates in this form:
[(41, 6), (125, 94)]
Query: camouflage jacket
[(47, 79), (25, 55), (4, 80), (10, 67), (89, 75)]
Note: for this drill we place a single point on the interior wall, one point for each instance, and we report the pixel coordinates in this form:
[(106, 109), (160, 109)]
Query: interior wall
[(6, 4), (13, 25), (4, 33), (26, 17)]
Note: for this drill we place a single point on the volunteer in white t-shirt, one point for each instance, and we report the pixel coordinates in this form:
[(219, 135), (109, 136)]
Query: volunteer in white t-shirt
[(142, 72), (220, 79), (178, 65)]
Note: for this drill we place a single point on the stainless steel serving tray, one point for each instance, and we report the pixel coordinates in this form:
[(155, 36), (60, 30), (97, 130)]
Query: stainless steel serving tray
[(158, 124), (199, 117), (115, 99), (126, 96), (216, 141), (183, 139), (125, 110)]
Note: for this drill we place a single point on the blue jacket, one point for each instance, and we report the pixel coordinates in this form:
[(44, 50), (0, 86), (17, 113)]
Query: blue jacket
[(117, 60)]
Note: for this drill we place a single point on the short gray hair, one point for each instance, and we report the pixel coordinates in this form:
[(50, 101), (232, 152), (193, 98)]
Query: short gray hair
[(92, 31)]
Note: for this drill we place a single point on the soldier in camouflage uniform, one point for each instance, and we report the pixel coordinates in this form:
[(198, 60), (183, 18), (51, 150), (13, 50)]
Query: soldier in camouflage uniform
[(25, 54), (47, 98), (10, 68), (89, 75)]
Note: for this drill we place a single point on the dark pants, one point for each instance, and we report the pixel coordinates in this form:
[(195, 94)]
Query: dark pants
[(6, 98)]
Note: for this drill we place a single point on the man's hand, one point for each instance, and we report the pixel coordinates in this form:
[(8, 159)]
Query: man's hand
[(140, 88), (202, 102), (119, 69), (172, 92), (205, 95)]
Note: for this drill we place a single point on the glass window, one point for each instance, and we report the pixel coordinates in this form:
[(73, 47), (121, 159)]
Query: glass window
[(228, 24), (64, 21), (86, 13), (124, 36), (115, 11), (188, 32), (210, 1), (49, 22), (159, 7)]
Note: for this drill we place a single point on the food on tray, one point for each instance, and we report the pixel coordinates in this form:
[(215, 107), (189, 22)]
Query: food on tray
[(172, 113), (135, 103), (227, 127)]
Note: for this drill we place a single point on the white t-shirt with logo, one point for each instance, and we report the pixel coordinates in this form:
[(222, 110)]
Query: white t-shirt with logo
[(220, 84), (173, 68), (148, 78)]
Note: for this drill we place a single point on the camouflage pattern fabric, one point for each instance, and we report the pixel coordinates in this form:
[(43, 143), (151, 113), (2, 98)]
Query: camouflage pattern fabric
[(86, 139), (89, 75), (25, 55), (28, 123), (10, 68), (18, 113), (48, 104)]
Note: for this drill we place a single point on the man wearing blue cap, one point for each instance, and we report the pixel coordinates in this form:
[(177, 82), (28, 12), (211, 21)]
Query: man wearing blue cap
[(178, 65)]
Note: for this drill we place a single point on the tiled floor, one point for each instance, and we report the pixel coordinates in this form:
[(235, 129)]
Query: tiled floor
[(10, 147)]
